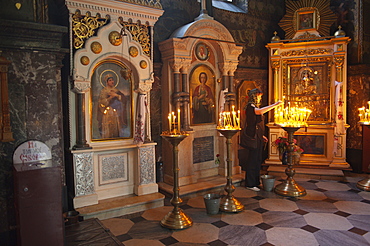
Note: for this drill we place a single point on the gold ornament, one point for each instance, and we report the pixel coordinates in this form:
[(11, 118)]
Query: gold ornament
[(115, 38), (133, 51), (85, 60), (96, 47), (143, 64)]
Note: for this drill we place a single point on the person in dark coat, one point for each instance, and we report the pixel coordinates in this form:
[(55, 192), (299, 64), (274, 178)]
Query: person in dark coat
[(252, 138)]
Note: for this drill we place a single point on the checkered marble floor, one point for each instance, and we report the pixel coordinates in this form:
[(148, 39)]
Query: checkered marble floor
[(332, 213)]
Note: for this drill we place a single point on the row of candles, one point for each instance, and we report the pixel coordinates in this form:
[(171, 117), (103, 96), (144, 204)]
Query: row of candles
[(364, 114), (229, 120), (291, 116), (174, 125)]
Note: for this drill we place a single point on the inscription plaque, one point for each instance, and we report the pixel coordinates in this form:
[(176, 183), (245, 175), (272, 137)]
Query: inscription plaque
[(203, 149)]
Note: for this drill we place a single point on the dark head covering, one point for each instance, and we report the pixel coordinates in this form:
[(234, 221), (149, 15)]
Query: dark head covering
[(252, 96)]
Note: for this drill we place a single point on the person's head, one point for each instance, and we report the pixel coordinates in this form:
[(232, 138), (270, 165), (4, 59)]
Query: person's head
[(203, 77), (109, 80), (255, 96)]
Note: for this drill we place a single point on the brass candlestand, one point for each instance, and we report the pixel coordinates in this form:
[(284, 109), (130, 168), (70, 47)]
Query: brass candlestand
[(229, 203), (365, 183), (176, 219), (289, 187)]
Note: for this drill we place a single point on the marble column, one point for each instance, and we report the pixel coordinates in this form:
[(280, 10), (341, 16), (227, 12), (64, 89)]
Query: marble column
[(80, 88)]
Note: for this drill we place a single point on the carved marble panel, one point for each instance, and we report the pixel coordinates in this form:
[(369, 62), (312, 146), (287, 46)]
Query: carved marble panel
[(113, 168), (84, 174), (147, 161)]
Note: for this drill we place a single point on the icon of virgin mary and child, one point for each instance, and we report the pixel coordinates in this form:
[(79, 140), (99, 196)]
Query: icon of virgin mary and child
[(111, 109)]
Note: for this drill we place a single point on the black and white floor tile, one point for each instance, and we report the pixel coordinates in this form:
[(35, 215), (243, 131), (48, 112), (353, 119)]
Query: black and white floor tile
[(332, 213)]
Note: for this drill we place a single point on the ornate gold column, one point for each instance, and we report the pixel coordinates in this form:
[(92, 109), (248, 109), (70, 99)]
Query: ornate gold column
[(339, 60), (275, 65)]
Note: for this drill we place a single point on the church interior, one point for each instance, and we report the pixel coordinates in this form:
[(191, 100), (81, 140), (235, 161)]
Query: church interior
[(121, 122)]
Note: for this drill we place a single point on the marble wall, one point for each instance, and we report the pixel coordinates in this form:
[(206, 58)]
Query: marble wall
[(35, 100)]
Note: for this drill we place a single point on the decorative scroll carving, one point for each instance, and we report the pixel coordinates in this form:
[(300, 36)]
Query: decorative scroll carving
[(307, 35), (84, 174), (176, 66), (275, 64), (140, 33), (146, 86), (85, 26), (228, 68), (303, 52), (147, 165), (81, 87), (149, 3), (339, 60)]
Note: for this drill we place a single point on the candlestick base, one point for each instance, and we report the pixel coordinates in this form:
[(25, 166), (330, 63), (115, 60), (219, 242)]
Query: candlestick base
[(364, 184), (176, 220), (231, 205), (290, 188)]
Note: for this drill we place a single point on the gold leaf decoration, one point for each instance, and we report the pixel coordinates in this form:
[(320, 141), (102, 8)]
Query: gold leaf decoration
[(85, 26), (324, 17), (140, 33)]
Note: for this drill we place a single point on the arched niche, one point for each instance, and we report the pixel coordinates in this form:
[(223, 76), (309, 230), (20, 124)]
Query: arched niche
[(182, 56), (111, 165)]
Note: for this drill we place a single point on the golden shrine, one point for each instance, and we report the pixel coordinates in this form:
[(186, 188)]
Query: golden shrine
[(308, 70)]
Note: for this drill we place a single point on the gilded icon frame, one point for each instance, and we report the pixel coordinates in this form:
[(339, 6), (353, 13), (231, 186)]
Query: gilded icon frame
[(306, 20), (123, 83), (318, 100), (194, 83)]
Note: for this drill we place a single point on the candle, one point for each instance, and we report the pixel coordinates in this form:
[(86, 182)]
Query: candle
[(234, 117), (169, 122), (178, 121), (238, 118)]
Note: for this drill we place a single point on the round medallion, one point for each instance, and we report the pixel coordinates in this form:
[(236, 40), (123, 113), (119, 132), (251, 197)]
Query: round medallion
[(202, 52), (85, 60), (133, 51), (96, 47), (143, 64), (115, 38)]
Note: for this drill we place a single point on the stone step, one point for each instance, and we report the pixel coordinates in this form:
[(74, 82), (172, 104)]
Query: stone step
[(118, 206), (305, 172), (214, 184)]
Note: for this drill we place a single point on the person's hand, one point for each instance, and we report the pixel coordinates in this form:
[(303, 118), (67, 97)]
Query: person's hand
[(113, 94), (265, 139), (278, 103)]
